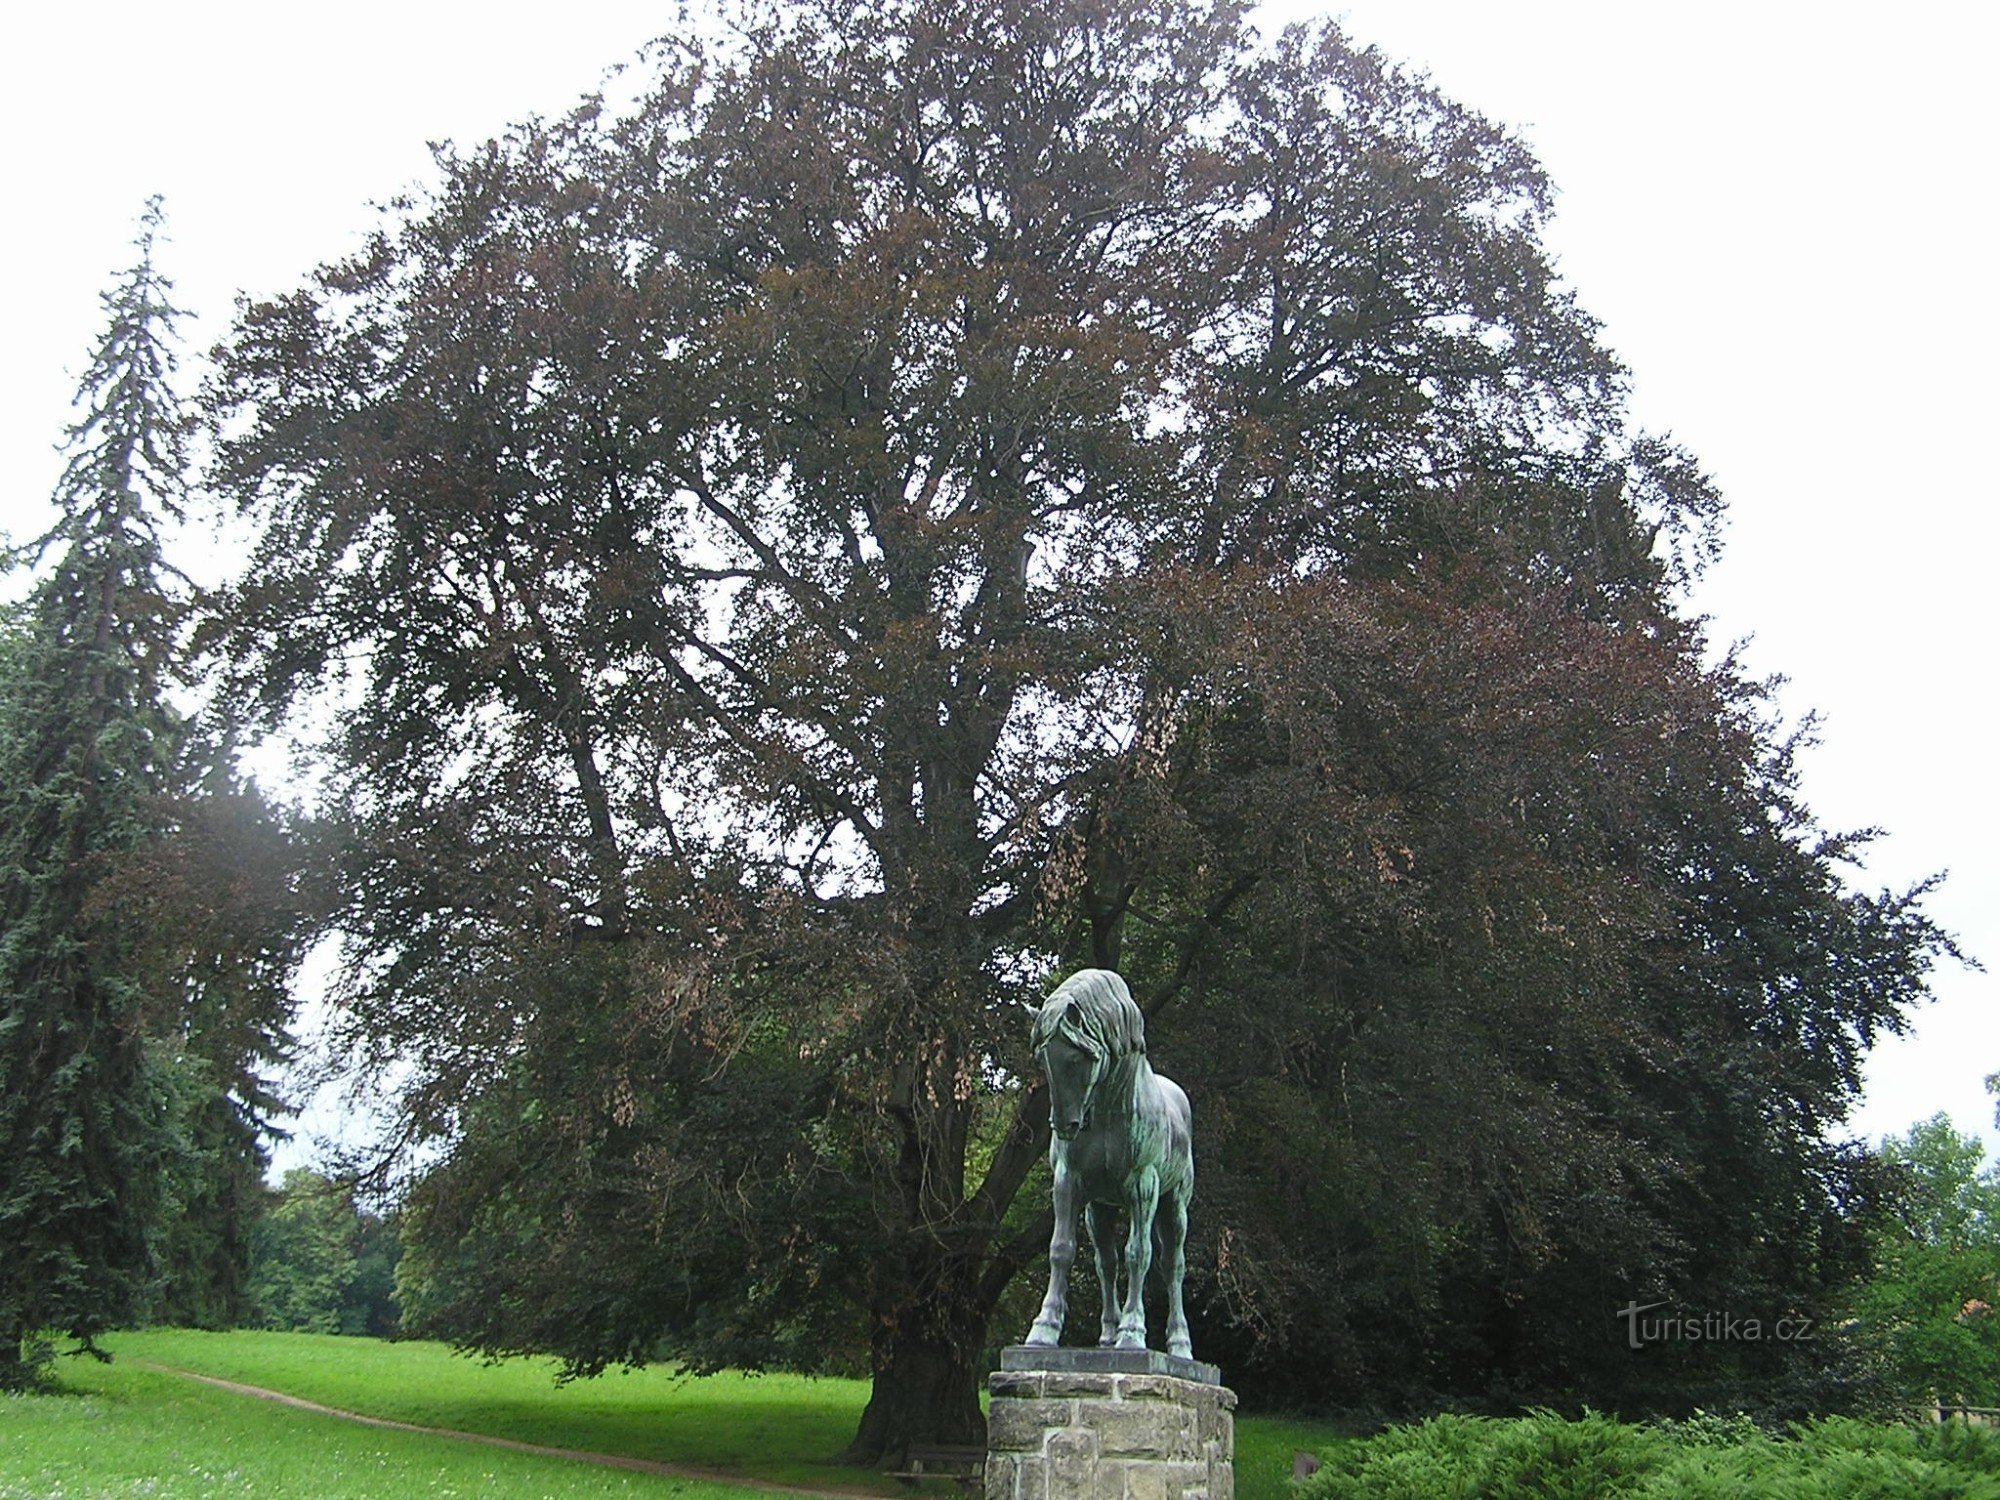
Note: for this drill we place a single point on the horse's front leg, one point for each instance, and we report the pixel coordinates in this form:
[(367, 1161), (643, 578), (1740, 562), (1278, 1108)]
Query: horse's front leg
[(1101, 1220), (1062, 1252), (1143, 1201)]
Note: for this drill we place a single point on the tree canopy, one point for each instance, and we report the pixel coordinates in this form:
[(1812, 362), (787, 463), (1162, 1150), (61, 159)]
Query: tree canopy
[(931, 494)]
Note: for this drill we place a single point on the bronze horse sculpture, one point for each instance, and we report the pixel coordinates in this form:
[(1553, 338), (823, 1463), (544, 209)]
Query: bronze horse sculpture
[(1122, 1138)]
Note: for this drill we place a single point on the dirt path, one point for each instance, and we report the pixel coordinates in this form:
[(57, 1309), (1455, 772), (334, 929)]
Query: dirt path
[(580, 1455)]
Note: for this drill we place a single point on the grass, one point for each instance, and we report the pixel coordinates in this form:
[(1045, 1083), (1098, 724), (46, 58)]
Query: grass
[(786, 1429), (781, 1429), (1264, 1449), (116, 1431)]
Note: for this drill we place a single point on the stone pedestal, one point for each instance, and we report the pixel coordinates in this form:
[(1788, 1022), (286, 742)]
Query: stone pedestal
[(1108, 1424)]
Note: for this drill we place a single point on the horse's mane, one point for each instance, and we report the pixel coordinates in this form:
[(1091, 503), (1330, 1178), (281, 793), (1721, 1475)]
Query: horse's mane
[(1094, 1009)]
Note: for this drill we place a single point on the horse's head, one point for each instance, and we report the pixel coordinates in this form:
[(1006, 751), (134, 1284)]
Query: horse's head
[(1074, 1071), (1080, 1034)]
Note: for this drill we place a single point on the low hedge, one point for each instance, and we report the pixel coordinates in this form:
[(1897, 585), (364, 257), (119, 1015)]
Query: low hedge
[(1594, 1457)]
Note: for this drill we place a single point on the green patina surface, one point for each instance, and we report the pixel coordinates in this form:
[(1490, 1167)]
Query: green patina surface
[(1121, 1140)]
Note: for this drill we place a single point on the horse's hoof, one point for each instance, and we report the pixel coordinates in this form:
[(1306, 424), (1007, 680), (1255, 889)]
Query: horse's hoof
[(1040, 1337), (1130, 1341), (1108, 1340), (1180, 1349)]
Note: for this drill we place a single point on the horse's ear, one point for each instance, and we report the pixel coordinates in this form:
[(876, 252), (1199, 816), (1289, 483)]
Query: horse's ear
[(1048, 1021)]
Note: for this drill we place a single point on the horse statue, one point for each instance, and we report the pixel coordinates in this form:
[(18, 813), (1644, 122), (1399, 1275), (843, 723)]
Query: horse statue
[(1123, 1137)]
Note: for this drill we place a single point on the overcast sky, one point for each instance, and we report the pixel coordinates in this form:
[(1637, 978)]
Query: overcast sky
[(1780, 215)]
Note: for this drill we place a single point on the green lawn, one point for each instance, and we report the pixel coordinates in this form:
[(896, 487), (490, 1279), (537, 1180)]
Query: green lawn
[(1264, 1449), (782, 1429), (117, 1432)]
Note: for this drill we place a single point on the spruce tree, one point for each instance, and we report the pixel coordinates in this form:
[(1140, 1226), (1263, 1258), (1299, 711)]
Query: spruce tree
[(88, 751)]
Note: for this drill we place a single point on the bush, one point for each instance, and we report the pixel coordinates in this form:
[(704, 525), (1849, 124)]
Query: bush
[(1539, 1457), (1698, 1470), (1546, 1457), (1707, 1457), (1441, 1459), (1958, 1445)]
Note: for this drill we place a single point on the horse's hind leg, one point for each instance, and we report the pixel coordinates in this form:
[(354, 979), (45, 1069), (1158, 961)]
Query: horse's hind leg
[(1101, 1219), (1175, 1214)]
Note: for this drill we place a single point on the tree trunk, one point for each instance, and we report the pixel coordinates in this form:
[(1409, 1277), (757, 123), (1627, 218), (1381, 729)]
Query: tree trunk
[(14, 1370), (926, 1369)]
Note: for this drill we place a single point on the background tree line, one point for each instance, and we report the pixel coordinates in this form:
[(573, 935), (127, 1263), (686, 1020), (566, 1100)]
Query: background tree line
[(931, 495)]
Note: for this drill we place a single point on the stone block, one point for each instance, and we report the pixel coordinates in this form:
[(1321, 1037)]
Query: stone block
[(1015, 1425), (1031, 1479), (1165, 1481), (1132, 1429), (1222, 1477), (999, 1476), (1080, 1383), (1016, 1383), (1072, 1461)]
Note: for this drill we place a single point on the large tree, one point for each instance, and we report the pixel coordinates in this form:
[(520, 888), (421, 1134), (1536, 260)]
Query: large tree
[(87, 741), (147, 924), (938, 491)]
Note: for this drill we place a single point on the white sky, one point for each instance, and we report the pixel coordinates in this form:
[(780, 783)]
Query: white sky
[(1780, 212)]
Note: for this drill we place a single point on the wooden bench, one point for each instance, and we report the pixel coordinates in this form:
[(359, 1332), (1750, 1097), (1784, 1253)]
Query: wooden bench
[(967, 1465)]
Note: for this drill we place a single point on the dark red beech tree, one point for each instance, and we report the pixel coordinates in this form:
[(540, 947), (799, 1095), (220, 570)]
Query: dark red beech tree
[(930, 493)]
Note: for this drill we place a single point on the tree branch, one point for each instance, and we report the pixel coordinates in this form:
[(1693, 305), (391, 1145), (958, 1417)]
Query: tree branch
[(814, 600), (1019, 1251), (741, 735), (1191, 943), (1027, 1138)]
